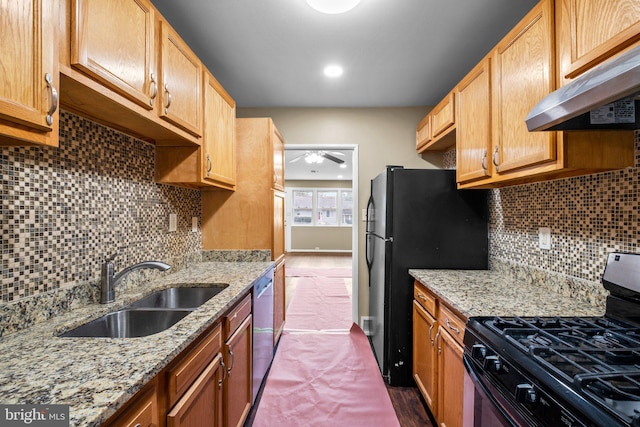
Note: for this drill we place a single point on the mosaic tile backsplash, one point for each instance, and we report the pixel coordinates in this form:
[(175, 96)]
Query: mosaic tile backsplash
[(65, 210), (589, 216)]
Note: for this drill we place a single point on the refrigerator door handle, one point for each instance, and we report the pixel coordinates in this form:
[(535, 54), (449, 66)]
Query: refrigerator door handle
[(366, 252)]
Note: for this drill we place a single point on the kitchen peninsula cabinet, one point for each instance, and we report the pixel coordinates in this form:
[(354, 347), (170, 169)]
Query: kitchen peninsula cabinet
[(122, 65), (591, 32), (213, 164), (30, 83), (515, 155), (437, 363), (238, 361)]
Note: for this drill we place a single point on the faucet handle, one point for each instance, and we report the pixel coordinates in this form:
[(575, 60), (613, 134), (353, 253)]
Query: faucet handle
[(111, 257)]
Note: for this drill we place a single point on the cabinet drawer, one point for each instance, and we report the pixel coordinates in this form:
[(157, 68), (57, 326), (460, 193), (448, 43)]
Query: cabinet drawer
[(185, 373), (236, 316), (424, 298), (142, 413), (451, 323)]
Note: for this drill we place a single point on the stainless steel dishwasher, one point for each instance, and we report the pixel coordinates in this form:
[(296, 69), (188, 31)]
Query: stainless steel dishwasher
[(262, 328)]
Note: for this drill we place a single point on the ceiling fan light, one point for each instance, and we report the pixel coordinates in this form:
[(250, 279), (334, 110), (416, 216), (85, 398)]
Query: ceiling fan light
[(333, 7)]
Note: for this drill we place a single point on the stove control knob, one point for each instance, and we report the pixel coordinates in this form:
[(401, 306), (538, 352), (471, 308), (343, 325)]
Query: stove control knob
[(492, 364), (525, 393), (478, 351)]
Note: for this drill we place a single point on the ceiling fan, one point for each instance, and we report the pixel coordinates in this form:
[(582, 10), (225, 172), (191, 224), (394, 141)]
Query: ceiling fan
[(319, 156)]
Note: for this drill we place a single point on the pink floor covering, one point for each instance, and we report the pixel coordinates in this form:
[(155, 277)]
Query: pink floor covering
[(324, 372), (318, 272)]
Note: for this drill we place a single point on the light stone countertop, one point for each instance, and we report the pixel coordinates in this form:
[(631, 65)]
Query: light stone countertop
[(96, 376), (492, 293)]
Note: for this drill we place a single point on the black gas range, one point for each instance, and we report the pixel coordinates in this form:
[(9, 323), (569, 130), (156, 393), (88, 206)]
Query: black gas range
[(559, 371)]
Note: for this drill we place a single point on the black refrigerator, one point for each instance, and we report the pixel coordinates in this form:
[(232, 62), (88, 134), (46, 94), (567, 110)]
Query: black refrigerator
[(416, 218)]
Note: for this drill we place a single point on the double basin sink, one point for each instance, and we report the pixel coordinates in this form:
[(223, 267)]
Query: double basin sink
[(150, 315)]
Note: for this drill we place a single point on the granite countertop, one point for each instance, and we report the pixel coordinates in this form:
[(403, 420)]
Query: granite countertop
[(96, 376), (492, 293)]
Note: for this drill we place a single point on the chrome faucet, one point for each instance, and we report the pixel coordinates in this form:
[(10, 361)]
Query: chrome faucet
[(109, 280)]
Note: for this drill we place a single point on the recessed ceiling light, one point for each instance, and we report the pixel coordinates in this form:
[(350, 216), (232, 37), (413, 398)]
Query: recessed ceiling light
[(343, 166), (340, 177), (333, 71), (333, 7)]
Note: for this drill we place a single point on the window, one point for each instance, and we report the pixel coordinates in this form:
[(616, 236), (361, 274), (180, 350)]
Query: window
[(322, 207)]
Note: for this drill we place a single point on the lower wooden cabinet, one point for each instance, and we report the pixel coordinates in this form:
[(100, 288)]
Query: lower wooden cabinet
[(202, 403), (437, 356), (142, 410), (279, 301), (238, 352)]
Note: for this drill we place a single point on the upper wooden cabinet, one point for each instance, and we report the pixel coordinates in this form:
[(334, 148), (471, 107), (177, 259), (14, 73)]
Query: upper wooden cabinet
[(213, 164), (473, 135), (436, 132), (113, 42), (591, 31), (522, 76), (122, 65), (180, 82), (523, 71), (29, 62)]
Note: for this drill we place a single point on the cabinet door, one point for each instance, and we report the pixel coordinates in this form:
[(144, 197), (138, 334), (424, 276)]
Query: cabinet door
[(142, 412), (219, 143), (238, 360), (443, 115), (591, 31), (29, 64), (278, 225), (180, 83), (450, 380), (113, 42), (279, 301), (424, 355), (473, 133), (423, 132), (202, 403), (278, 160), (523, 68)]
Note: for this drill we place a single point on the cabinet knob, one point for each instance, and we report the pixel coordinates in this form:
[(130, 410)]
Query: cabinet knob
[(54, 98)]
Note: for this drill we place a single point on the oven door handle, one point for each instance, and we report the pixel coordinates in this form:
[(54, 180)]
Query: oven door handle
[(477, 381)]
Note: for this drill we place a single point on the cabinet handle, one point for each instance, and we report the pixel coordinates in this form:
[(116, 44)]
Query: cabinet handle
[(437, 339), (450, 326), (484, 161), (138, 425), (169, 99), (422, 297), (54, 98), (153, 89), (430, 330), (233, 361), (496, 159), (224, 373), (209, 165)]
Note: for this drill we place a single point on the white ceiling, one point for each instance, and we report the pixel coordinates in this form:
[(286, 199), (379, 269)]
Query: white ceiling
[(270, 53), (327, 170)]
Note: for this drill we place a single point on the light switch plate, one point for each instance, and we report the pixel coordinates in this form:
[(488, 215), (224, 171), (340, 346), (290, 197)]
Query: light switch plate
[(173, 222), (194, 224)]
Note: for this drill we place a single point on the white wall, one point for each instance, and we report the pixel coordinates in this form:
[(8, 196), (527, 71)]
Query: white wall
[(385, 136)]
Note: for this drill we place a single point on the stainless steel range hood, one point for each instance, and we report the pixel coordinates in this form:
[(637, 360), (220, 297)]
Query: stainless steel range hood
[(605, 97)]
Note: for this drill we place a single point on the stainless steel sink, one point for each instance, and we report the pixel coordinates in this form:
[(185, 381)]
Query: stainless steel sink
[(128, 323), (179, 297)]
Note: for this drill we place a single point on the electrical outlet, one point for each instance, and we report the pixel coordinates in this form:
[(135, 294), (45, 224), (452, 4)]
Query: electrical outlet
[(194, 224), (173, 222), (544, 237), (364, 215)]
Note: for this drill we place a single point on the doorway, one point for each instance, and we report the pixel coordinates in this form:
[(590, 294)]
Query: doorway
[(321, 188)]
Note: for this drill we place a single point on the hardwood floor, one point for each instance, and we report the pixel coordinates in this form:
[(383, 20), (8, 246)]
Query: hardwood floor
[(407, 402)]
